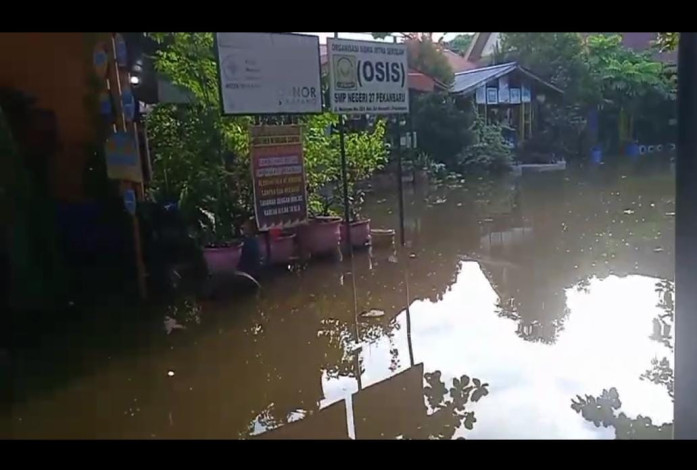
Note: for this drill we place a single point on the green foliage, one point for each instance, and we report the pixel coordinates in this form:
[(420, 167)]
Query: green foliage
[(424, 54), (623, 75), (201, 158), (558, 58), (192, 144), (365, 153), (489, 150), (596, 72), (443, 129), (461, 43), (667, 41)]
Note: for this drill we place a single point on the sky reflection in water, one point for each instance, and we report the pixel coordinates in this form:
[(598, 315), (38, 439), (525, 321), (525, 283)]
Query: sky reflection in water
[(552, 311)]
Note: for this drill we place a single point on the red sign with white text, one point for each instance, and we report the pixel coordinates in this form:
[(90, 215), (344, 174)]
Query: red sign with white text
[(278, 173)]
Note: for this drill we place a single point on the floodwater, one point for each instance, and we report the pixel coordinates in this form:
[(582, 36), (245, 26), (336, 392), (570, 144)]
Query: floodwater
[(537, 306)]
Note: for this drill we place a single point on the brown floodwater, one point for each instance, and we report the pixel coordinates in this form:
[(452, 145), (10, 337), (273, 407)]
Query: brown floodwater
[(516, 303)]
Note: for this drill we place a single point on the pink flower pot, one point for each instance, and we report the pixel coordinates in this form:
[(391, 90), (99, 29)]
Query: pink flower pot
[(224, 259), (360, 233), (320, 236), (282, 248)]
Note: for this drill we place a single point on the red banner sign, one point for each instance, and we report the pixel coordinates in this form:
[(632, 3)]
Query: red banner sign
[(278, 172)]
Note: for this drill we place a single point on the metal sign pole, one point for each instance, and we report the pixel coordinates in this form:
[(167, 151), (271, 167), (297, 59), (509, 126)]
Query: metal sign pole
[(400, 183), (344, 178)]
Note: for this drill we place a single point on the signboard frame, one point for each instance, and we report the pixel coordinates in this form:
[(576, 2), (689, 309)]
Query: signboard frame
[(261, 112), (284, 150), (370, 90)]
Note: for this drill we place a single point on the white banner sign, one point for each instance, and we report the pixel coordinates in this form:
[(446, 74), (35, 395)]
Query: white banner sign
[(504, 95), (269, 73), (525, 94), (367, 77), (480, 96), (515, 95)]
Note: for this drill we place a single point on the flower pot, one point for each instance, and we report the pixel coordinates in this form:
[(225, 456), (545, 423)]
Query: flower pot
[(282, 248), (360, 233), (320, 236), (222, 259)]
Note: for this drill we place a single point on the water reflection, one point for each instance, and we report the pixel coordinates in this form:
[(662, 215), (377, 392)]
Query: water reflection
[(512, 298)]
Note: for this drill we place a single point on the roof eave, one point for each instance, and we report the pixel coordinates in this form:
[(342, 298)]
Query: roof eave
[(504, 71)]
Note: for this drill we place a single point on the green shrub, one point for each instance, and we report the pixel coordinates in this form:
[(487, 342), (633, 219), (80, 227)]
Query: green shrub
[(489, 150)]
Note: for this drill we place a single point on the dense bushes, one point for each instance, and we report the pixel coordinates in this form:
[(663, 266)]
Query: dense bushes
[(488, 150), (443, 128)]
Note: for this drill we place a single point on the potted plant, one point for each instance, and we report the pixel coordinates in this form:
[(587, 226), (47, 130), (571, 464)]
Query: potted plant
[(366, 152), (221, 249), (320, 235)]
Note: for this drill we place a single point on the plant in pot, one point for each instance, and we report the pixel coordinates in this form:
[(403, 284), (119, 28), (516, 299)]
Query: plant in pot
[(321, 234), (366, 152), (191, 147)]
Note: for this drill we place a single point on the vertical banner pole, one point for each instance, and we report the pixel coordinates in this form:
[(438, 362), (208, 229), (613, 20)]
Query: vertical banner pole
[(400, 183), (344, 178)]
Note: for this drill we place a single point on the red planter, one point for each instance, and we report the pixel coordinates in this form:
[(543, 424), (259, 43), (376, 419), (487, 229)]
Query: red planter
[(360, 233), (282, 248), (224, 259), (320, 236)]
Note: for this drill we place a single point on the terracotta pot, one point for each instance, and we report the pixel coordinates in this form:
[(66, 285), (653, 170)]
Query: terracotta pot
[(282, 248), (360, 233), (320, 236), (224, 259)]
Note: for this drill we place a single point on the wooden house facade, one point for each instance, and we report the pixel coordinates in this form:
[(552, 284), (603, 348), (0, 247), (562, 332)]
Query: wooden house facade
[(507, 94)]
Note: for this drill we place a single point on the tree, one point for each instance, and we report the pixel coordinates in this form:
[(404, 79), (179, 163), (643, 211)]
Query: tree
[(425, 55), (558, 58), (667, 41), (443, 128), (461, 43), (365, 153), (631, 83), (200, 158), (597, 71)]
